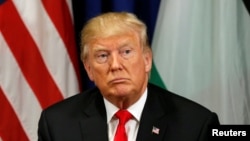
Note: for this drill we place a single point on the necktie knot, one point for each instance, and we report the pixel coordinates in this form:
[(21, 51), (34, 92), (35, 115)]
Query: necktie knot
[(123, 116)]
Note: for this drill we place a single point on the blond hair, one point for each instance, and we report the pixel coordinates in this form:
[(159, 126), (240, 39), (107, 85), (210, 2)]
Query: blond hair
[(110, 24)]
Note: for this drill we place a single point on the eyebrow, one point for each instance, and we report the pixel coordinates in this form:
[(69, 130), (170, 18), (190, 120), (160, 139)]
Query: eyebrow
[(99, 48)]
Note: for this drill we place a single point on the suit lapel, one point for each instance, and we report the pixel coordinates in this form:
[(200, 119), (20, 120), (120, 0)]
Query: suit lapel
[(94, 124), (154, 120)]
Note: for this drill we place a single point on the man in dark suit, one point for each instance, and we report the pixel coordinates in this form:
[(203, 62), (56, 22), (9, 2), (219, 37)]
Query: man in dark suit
[(118, 59)]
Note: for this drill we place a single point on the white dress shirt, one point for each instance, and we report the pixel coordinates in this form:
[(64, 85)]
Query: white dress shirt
[(132, 125)]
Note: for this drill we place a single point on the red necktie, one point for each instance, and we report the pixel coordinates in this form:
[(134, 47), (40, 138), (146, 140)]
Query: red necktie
[(123, 116)]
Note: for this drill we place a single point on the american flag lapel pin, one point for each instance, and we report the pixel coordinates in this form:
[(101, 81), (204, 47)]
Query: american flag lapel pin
[(155, 130)]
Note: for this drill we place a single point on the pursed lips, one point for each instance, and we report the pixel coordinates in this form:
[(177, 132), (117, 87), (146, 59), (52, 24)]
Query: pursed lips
[(118, 80)]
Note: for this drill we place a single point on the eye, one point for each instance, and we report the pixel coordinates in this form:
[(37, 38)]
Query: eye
[(102, 57), (126, 52)]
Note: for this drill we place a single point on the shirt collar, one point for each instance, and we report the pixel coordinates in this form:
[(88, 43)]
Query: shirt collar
[(135, 109)]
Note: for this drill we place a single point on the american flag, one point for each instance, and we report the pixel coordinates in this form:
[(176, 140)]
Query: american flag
[(38, 63), (155, 130)]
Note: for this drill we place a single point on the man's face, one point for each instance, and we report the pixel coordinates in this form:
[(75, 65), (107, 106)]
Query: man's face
[(119, 66)]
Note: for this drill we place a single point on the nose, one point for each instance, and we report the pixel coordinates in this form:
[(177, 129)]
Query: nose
[(115, 62)]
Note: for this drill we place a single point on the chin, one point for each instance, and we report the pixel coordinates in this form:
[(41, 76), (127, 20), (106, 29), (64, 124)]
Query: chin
[(122, 90)]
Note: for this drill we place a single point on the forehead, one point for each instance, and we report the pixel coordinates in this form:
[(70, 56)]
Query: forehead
[(115, 41)]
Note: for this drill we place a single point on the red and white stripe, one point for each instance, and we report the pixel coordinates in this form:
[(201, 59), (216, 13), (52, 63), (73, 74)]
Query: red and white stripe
[(38, 63)]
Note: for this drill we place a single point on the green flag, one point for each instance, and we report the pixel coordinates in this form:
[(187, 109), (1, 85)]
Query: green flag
[(201, 51)]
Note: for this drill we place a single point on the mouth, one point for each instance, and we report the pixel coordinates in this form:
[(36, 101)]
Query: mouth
[(118, 80)]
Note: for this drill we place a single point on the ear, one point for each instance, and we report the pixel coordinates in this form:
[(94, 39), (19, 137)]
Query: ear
[(88, 70), (148, 59)]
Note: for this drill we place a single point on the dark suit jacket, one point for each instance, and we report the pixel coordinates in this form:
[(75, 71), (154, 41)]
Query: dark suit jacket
[(83, 118)]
